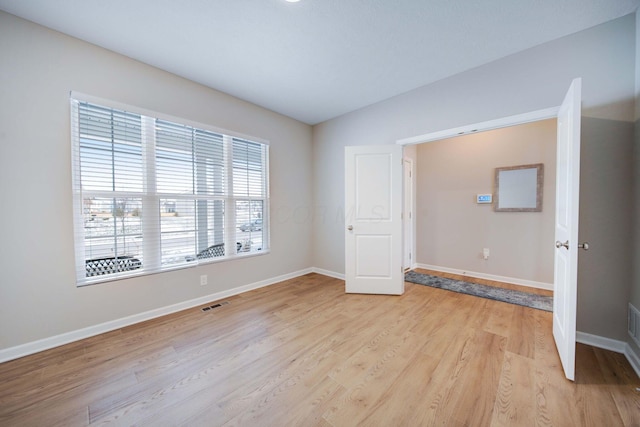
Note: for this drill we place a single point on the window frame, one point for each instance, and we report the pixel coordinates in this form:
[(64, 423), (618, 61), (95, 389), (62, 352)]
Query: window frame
[(151, 221)]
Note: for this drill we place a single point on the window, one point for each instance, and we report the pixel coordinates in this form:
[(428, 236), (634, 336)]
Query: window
[(153, 194)]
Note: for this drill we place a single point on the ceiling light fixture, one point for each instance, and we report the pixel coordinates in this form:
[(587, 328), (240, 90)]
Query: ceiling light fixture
[(293, 1)]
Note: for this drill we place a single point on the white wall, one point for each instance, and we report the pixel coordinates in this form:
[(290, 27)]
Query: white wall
[(38, 296), (452, 229), (531, 80)]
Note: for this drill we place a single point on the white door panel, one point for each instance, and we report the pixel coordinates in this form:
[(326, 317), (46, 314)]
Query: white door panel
[(566, 234), (373, 234), (372, 187), (371, 256)]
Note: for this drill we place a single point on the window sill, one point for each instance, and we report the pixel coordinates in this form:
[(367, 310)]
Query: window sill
[(131, 275)]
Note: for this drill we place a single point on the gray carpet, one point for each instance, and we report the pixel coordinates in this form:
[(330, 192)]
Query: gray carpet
[(526, 299)]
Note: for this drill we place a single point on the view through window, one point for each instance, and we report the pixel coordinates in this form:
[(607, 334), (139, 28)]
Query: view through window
[(153, 194)]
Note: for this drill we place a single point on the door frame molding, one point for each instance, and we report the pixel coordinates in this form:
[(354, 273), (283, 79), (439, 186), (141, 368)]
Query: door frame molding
[(518, 119), (406, 220)]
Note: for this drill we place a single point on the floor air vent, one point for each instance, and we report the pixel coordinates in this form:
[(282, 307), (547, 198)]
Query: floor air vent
[(214, 306), (634, 324)]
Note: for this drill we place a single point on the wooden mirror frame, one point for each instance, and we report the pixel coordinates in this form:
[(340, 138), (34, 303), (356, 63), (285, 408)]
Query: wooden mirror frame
[(505, 190)]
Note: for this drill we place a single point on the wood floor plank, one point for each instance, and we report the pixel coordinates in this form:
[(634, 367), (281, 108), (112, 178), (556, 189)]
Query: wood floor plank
[(309, 411), (49, 414), (556, 397), (591, 387), (445, 385), (267, 404), (406, 396), (437, 331), (302, 352), (352, 370), (500, 321), (383, 369), (19, 367), (478, 395), (69, 406), (313, 360), (620, 379), (515, 400), (522, 334)]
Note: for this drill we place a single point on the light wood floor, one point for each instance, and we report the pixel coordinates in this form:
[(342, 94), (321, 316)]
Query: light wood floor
[(304, 353)]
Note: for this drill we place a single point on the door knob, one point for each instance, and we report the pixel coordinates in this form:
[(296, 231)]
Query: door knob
[(350, 227), (584, 246), (559, 244)]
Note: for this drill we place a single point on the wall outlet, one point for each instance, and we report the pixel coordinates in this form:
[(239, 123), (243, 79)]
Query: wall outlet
[(203, 280), (485, 253)]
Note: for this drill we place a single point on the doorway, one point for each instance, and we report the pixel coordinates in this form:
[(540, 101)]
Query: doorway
[(566, 225), (456, 229)]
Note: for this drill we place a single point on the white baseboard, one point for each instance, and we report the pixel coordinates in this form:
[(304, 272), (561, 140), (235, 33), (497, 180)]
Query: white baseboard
[(633, 359), (328, 273), (513, 280), (67, 337), (611, 345), (601, 342)]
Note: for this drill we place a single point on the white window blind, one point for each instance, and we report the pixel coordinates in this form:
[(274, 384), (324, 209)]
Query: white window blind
[(152, 194)]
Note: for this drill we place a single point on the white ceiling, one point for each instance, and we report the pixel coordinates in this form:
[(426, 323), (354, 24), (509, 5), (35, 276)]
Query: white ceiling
[(317, 59)]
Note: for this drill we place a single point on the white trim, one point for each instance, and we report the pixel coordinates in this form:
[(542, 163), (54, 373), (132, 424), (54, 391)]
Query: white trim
[(533, 116), (412, 218), (329, 273), (68, 337), (513, 280), (162, 116), (633, 358), (634, 317), (600, 342)]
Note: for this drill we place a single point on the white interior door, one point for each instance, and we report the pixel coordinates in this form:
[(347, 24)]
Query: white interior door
[(566, 255), (407, 218), (373, 234)]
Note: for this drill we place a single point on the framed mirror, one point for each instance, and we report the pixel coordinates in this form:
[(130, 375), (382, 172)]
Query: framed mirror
[(519, 188)]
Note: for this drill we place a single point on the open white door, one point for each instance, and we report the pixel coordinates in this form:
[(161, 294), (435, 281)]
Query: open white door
[(373, 234), (566, 255)]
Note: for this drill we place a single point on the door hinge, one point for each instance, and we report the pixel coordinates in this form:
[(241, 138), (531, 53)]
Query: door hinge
[(401, 215)]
